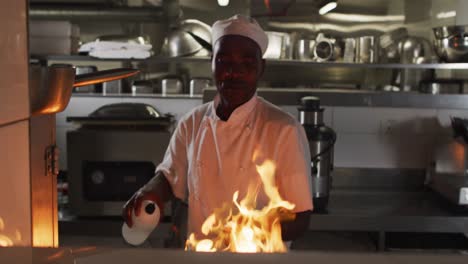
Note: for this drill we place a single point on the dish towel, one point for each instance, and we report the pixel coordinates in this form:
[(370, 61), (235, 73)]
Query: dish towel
[(116, 50)]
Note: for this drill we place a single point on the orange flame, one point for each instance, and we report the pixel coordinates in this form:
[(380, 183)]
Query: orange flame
[(248, 230)]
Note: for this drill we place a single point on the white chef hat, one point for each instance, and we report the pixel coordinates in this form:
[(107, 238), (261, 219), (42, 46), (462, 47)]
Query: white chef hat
[(240, 25)]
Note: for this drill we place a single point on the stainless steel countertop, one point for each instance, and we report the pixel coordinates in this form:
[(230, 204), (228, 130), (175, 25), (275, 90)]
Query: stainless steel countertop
[(349, 210)]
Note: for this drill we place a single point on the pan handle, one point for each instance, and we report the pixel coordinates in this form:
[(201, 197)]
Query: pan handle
[(103, 76)]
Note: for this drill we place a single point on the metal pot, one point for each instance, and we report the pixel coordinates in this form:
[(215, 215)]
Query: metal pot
[(305, 49), (451, 43), (51, 87), (279, 45)]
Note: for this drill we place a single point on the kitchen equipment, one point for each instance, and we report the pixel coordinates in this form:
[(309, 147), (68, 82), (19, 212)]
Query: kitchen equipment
[(190, 38), (279, 45), (321, 142), (389, 45), (448, 173), (171, 86), (414, 50), (366, 49), (112, 154), (53, 92), (83, 70), (442, 86), (349, 54), (451, 43), (142, 87), (326, 49), (112, 87), (305, 49), (198, 84)]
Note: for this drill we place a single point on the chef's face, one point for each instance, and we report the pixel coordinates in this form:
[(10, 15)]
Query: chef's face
[(237, 64)]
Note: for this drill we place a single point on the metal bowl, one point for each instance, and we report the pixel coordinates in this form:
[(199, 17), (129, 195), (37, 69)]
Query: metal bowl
[(188, 39), (451, 43)]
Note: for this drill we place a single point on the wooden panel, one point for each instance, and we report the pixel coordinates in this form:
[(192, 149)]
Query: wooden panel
[(15, 201), (14, 91), (43, 183)]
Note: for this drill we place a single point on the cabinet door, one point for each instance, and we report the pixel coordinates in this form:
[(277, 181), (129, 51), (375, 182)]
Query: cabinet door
[(14, 90), (43, 181)]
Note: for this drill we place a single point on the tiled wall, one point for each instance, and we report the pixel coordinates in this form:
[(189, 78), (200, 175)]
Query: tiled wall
[(379, 137)]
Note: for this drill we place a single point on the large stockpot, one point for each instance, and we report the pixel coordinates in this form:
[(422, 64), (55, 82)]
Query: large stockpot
[(51, 87), (451, 43)]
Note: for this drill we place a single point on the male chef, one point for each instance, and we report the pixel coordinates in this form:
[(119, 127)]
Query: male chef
[(216, 147)]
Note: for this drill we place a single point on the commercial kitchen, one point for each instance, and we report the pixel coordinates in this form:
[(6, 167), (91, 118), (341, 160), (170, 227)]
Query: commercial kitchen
[(91, 92)]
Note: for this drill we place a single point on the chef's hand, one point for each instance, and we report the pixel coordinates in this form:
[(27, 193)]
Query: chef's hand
[(134, 204), (157, 190)]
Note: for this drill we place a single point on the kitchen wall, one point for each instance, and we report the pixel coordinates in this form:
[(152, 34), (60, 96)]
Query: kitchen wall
[(15, 206)]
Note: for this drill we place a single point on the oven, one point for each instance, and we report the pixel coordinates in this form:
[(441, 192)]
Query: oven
[(112, 154)]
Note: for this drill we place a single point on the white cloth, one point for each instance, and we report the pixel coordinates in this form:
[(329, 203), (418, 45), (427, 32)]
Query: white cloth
[(120, 54), (240, 25), (116, 50), (208, 159)]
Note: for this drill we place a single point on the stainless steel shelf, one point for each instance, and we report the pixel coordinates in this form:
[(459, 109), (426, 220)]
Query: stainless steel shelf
[(127, 14), (275, 62)]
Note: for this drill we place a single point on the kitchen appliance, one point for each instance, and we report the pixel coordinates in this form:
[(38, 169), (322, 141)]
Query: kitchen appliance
[(321, 142), (448, 173), (326, 49), (451, 43), (112, 154)]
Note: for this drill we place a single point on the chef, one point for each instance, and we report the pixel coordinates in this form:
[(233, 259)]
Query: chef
[(216, 146)]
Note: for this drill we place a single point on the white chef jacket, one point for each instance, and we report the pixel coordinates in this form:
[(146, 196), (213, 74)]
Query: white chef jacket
[(208, 159)]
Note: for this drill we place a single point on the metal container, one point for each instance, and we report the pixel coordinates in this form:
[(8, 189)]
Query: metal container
[(321, 142), (305, 49), (279, 46), (366, 49), (112, 87), (142, 87), (51, 87), (451, 43), (171, 86), (198, 84), (190, 38), (442, 86)]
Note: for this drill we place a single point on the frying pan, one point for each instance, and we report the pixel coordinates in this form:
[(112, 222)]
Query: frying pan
[(51, 87)]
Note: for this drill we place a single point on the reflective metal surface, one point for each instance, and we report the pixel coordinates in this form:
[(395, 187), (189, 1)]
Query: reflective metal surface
[(321, 168), (148, 14), (340, 97), (310, 118), (451, 43), (50, 88)]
